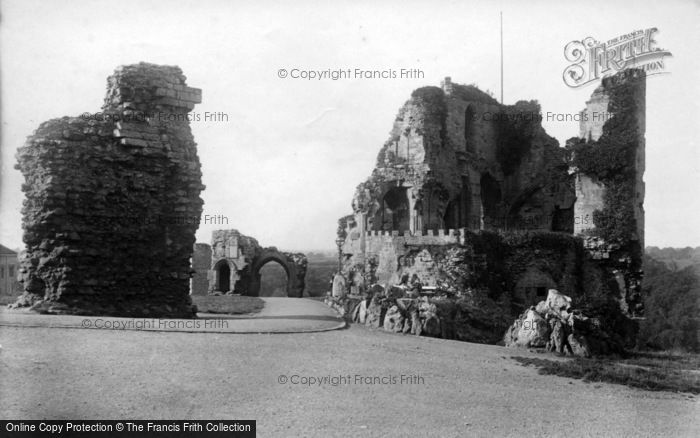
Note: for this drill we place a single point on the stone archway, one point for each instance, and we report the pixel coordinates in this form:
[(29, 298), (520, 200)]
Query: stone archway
[(244, 258), (532, 287), (295, 286), (274, 280), (222, 271)]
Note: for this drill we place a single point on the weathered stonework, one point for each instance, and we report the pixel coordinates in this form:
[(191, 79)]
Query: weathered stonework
[(608, 163), (458, 159), (236, 261), (201, 261), (458, 165), (112, 201)]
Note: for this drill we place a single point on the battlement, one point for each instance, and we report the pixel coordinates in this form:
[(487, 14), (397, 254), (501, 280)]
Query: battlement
[(426, 233), (373, 241)]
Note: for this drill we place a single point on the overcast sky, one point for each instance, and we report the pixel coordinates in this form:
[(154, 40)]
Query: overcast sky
[(285, 165)]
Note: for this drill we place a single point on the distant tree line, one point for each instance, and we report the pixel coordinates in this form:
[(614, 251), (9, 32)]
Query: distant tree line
[(672, 301)]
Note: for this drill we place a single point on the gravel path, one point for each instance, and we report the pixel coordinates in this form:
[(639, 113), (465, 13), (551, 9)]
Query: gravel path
[(461, 389)]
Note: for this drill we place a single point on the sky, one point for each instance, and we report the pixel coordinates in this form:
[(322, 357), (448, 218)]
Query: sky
[(284, 165)]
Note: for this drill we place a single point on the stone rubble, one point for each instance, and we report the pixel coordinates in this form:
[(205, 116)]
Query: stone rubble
[(556, 327)]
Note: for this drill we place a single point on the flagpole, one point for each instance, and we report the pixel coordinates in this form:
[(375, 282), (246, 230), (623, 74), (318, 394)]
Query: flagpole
[(501, 57)]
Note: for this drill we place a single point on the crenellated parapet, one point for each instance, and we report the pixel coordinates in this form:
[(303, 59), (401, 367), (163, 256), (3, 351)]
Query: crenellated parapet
[(458, 162)]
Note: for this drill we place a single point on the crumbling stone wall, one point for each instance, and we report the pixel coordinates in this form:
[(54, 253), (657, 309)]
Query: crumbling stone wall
[(300, 263), (112, 201), (608, 162), (236, 261), (490, 263), (201, 261), (456, 158), (473, 287), (231, 259), (457, 161)]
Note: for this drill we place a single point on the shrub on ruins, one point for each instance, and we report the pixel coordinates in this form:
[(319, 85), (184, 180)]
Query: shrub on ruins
[(519, 124), (473, 318), (432, 98), (472, 93), (612, 160)]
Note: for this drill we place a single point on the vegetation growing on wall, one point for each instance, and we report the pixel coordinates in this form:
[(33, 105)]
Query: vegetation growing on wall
[(432, 102), (343, 225), (556, 254), (471, 93), (612, 160), (517, 126), (368, 190), (432, 98), (493, 262), (486, 269)]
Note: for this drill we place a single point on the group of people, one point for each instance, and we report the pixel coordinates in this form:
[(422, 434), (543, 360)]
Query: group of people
[(355, 286)]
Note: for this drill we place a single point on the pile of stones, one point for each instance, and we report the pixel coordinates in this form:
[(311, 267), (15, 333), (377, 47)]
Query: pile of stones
[(553, 325)]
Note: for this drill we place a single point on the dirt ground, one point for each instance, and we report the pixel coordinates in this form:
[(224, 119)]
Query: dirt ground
[(449, 388)]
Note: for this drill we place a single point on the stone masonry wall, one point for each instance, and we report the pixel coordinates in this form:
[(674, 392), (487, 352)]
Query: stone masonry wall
[(450, 147), (609, 160), (236, 260), (112, 201), (457, 161), (201, 261)]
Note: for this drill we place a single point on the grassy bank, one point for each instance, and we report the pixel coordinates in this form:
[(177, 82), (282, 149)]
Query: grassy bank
[(649, 371), (227, 304)]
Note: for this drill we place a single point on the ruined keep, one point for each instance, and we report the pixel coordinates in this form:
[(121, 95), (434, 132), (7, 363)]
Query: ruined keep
[(472, 196), (112, 201), (234, 261)]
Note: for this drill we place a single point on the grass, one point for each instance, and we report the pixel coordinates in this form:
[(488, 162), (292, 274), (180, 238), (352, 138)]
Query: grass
[(228, 304), (677, 360), (650, 371)]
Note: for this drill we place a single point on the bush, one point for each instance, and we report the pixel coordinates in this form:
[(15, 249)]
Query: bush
[(612, 160), (672, 308)]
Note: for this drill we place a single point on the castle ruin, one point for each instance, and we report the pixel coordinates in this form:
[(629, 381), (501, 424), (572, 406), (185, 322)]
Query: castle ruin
[(112, 201), (232, 264), (462, 172)]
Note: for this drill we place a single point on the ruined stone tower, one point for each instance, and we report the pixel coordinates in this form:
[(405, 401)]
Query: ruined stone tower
[(112, 201), (608, 162), (628, 94), (458, 165), (457, 160)]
